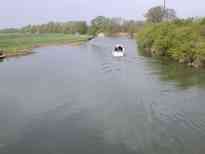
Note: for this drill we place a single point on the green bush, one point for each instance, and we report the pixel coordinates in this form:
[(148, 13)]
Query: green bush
[(184, 44), (181, 40)]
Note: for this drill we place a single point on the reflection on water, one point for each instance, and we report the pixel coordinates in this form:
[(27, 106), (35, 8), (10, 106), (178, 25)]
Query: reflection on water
[(182, 75), (1, 60), (84, 101)]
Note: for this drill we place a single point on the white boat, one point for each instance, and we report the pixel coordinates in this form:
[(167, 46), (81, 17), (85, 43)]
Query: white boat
[(118, 51)]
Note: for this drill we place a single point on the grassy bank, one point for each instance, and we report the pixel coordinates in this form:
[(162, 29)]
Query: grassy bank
[(20, 43), (181, 40)]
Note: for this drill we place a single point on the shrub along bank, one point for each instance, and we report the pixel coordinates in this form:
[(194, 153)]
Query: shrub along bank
[(181, 40)]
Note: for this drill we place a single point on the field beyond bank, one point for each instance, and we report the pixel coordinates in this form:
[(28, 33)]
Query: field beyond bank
[(21, 43)]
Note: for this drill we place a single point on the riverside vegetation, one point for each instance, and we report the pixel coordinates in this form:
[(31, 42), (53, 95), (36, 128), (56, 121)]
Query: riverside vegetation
[(15, 41), (182, 40), (22, 43), (179, 39)]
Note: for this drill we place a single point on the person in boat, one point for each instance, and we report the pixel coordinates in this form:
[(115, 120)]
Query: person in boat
[(118, 48)]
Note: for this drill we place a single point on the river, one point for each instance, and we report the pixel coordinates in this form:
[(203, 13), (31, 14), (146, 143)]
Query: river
[(81, 100)]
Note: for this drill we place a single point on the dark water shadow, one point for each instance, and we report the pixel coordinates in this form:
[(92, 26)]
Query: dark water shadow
[(182, 75)]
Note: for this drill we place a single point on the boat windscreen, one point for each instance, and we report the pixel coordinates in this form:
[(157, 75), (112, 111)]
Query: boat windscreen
[(119, 49)]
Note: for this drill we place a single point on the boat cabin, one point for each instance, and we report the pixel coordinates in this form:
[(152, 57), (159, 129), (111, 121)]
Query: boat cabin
[(118, 48), (118, 51)]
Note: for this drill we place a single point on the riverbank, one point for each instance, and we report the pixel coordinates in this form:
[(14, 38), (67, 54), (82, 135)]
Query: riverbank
[(182, 41), (15, 44)]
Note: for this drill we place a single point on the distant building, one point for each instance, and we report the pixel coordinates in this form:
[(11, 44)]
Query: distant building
[(101, 35)]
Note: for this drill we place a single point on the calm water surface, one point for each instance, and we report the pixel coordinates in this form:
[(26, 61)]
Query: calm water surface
[(81, 100)]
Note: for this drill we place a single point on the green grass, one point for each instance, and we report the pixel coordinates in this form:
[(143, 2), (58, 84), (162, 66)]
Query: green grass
[(13, 43)]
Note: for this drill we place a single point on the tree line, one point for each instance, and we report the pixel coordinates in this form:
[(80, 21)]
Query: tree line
[(57, 27), (99, 24), (114, 25), (165, 35)]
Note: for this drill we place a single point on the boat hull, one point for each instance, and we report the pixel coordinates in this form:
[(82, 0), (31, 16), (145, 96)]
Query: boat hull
[(118, 54)]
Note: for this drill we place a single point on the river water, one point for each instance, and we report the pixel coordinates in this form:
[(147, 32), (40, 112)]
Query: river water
[(81, 100)]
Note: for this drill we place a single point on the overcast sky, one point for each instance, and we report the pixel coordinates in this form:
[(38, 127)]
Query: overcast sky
[(15, 13)]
